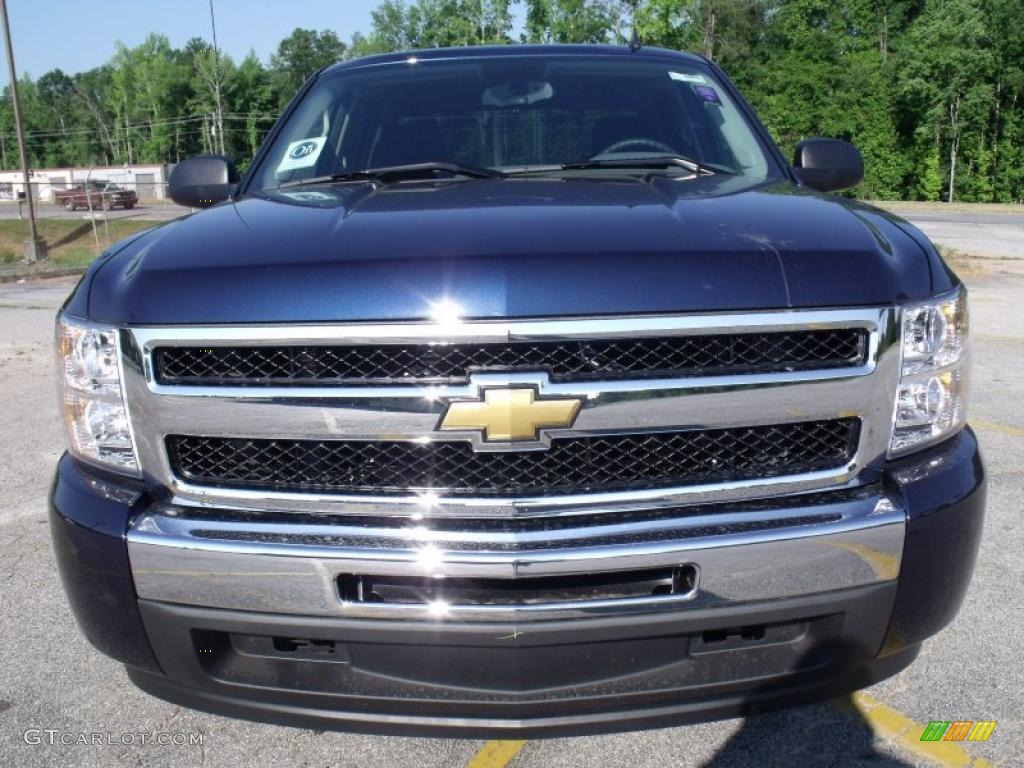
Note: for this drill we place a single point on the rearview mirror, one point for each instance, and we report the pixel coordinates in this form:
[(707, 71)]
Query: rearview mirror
[(517, 94), (201, 181), (828, 164)]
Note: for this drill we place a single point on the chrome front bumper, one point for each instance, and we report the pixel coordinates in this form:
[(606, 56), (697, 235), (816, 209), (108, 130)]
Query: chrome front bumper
[(291, 565)]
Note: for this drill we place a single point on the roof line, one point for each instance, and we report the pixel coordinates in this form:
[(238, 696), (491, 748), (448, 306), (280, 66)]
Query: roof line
[(513, 50)]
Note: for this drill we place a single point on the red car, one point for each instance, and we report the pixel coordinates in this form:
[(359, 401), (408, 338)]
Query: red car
[(101, 195)]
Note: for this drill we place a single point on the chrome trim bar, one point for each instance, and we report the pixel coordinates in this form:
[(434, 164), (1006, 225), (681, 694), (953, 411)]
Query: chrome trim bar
[(421, 506), (292, 568), (412, 412), (496, 331)]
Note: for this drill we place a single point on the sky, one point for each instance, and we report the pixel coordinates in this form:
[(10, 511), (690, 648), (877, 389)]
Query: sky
[(77, 35)]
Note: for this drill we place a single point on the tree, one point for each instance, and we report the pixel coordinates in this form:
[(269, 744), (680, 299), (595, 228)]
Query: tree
[(210, 73), (56, 92), (212, 69), (251, 100), (299, 56), (390, 31), (947, 80), (572, 21), (1007, 130), (91, 90), (436, 23), (154, 74), (931, 91), (722, 30)]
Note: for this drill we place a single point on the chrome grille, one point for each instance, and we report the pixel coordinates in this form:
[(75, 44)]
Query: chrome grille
[(572, 465), (644, 437), (733, 353)]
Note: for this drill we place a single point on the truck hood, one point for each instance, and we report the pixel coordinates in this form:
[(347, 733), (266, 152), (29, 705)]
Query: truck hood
[(522, 247)]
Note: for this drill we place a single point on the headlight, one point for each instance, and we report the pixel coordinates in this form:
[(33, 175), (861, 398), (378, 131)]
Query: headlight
[(99, 430), (931, 403)]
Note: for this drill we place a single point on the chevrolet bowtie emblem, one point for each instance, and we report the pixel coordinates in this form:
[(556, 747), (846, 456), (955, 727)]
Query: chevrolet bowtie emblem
[(512, 414)]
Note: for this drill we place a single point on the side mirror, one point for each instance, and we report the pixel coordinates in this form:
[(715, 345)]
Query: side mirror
[(828, 164), (201, 181)]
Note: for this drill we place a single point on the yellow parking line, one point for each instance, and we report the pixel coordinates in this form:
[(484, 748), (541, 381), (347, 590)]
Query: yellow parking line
[(886, 565), (884, 721), (887, 723), (1006, 429), (496, 754)]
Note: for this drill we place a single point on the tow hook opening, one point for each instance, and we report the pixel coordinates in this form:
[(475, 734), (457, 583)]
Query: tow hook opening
[(743, 633)]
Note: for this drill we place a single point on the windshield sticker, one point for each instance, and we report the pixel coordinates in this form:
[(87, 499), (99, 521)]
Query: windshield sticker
[(707, 93), (302, 154), (684, 77)]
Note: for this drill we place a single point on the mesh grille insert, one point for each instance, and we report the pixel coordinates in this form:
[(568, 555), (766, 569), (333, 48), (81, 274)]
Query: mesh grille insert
[(563, 360), (571, 465)]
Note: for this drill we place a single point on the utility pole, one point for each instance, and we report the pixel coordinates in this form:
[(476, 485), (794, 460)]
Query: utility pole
[(634, 37), (216, 81), (35, 247)]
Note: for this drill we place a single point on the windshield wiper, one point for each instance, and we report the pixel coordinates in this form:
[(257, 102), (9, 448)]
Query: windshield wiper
[(393, 173), (653, 162), (656, 162)]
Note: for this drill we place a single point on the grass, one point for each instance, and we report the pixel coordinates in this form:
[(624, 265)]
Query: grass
[(71, 243)]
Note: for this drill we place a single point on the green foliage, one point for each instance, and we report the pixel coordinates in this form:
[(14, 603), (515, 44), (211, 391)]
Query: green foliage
[(573, 21), (723, 30), (931, 91), (250, 95), (436, 23), (929, 183), (301, 54)]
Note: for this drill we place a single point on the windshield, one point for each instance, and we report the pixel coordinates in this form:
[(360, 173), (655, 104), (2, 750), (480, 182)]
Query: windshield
[(514, 114)]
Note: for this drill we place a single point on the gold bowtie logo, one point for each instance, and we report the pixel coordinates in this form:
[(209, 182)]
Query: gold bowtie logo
[(511, 414)]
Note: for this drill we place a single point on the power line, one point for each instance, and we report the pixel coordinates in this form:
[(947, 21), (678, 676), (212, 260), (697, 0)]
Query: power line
[(81, 142), (34, 135)]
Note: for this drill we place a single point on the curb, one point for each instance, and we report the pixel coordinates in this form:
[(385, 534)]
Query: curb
[(30, 273)]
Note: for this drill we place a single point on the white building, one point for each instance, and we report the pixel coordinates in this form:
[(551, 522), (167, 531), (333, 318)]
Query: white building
[(148, 181)]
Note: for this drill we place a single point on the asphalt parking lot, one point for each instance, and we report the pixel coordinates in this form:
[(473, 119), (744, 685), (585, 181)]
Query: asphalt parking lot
[(974, 229), (51, 679)]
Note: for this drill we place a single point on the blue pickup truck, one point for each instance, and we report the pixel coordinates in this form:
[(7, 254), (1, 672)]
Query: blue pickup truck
[(516, 391)]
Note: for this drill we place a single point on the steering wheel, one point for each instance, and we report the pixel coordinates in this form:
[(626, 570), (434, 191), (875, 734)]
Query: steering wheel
[(638, 143)]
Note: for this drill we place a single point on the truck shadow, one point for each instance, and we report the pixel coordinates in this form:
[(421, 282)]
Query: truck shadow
[(832, 733)]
